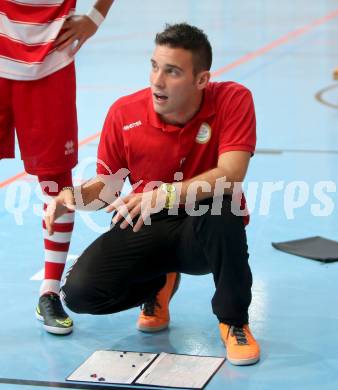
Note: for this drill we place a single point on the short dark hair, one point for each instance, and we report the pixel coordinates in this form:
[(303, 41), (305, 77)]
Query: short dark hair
[(185, 36)]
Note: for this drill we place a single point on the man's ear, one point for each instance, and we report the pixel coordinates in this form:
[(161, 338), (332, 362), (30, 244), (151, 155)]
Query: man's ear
[(203, 79)]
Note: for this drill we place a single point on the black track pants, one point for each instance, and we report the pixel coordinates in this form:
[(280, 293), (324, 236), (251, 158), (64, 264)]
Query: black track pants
[(122, 269)]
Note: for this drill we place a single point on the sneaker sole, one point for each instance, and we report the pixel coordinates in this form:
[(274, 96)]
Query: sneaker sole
[(155, 329), (148, 329), (243, 362), (53, 329)]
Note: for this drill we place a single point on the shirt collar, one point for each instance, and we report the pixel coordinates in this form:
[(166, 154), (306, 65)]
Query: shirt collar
[(207, 110)]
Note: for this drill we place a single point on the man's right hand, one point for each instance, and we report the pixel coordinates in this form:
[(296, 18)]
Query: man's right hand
[(59, 206), (76, 28)]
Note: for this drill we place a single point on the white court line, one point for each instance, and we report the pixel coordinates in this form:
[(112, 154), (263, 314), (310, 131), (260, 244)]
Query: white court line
[(40, 274)]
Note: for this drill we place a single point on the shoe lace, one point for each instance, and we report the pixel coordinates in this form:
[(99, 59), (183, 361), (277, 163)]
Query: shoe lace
[(240, 335), (53, 306), (149, 306)]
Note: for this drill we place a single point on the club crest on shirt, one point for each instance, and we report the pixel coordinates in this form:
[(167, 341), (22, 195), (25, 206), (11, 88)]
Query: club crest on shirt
[(204, 133), (69, 147)]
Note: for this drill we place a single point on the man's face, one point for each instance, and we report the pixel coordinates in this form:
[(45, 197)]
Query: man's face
[(173, 84)]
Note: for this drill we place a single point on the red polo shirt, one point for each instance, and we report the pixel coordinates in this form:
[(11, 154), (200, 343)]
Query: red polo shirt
[(134, 137)]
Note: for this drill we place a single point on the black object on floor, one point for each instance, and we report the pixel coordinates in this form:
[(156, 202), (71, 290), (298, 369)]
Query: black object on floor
[(316, 248)]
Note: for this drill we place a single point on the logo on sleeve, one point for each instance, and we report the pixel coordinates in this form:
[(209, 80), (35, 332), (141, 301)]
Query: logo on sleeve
[(131, 125), (204, 134)]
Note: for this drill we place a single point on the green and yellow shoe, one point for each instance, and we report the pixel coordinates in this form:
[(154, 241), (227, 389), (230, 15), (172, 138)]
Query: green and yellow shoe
[(50, 312)]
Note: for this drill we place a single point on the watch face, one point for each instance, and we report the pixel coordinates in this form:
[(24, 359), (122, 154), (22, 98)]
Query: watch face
[(170, 188)]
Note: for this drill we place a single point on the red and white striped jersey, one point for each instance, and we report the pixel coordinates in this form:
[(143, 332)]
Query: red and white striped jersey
[(28, 29)]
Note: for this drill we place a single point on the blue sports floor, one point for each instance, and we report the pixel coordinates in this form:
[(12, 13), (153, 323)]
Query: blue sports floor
[(285, 53)]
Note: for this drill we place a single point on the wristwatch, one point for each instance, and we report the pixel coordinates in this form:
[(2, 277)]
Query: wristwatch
[(170, 191)]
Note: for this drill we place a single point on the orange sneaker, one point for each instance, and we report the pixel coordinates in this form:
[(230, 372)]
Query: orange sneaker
[(155, 313), (242, 348), (335, 74)]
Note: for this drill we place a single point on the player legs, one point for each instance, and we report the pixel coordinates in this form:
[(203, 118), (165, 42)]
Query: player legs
[(46, 125)]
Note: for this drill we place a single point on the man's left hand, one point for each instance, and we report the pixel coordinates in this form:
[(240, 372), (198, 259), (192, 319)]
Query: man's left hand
[(76, 28), (143, 204)]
